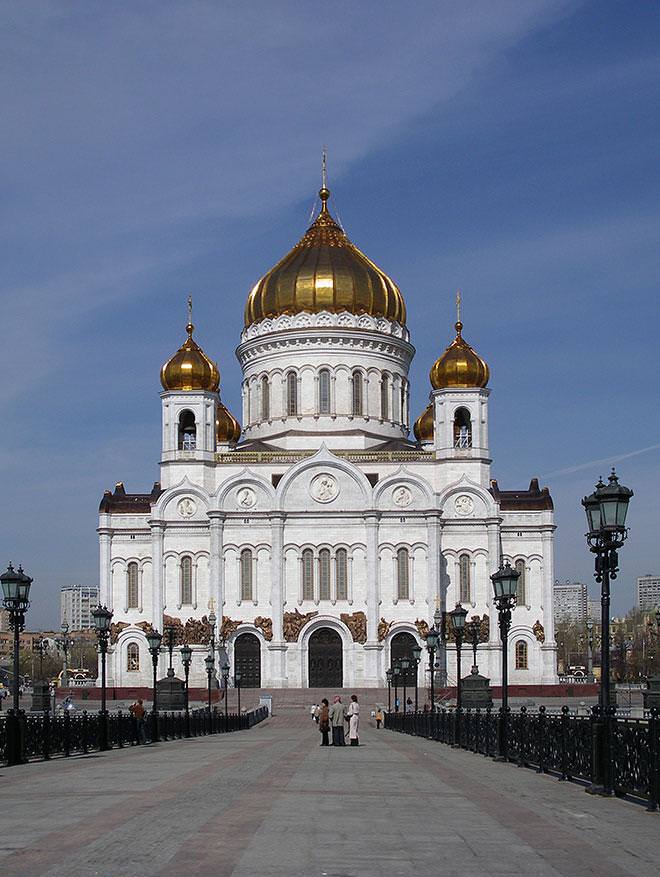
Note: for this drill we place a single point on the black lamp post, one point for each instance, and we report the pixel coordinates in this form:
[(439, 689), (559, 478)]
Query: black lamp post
[(16, 599), (417, 657), (432, 641), (169, 635), (209, 663), (225, 682), (41, 647), (186, 657), (102, 620), (154, 638), (388, 675), (396, 672), (505, 586), (590, 650), (237, 686), (64, 643), (405, 670), (472, 632), (458, 616)]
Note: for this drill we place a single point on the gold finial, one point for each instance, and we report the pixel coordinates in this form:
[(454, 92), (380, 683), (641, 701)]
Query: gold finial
[(324, 192), (458, 325), (190, 327)]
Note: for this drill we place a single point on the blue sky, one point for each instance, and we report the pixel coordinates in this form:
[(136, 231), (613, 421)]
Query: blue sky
[(156, 149)]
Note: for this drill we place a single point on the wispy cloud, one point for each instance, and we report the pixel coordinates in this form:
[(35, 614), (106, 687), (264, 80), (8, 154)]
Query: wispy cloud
[(602, 461)]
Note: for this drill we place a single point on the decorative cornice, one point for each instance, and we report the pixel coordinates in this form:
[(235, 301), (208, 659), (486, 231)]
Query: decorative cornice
[(325, 320)]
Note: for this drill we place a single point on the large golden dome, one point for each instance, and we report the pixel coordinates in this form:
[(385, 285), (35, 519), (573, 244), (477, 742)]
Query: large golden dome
[(325, 272), (190, 368), (227, 428), (459, 366), (424, 426)]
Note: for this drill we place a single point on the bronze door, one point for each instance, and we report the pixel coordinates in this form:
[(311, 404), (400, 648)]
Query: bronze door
[(247, 660), (401, 647), (325, 659)]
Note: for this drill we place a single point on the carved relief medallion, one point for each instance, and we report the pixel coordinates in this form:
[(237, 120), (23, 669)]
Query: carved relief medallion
[(186, 507), (324, 488), (246, 497), (401, 495), (464, 505)]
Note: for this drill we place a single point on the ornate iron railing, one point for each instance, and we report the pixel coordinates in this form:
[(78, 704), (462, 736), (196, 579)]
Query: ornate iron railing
[(33, 736), (610, 753)]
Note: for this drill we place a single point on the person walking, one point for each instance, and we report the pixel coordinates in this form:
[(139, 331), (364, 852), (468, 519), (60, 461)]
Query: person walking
[(379, 718), (324, 722), (138, 712), (353, 715), (337, 717), (316, 712)]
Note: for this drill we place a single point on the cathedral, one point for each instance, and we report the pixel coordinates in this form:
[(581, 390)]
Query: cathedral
[(317, 539)]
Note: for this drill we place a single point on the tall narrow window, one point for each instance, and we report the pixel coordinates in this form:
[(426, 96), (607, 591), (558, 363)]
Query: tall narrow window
[(265, 398), (186, 581), (357, 393), (246, 574), (324, 574), (403, 402), (187, 431), (403, 574), (324, 391), (132, 657), (132, 585), (464, 574), (292, 394), (341, 561), (462, 428), (308, 574), (521, 655), (385, 398), (521, 597)]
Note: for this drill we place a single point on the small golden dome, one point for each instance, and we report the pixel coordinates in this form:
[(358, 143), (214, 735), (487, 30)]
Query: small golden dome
[(227, 428), (459, 366), (325, 272), (190, 368), (424, 426)]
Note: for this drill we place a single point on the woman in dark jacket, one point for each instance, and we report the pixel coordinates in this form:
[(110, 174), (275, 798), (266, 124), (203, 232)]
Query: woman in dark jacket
[(324, 722)]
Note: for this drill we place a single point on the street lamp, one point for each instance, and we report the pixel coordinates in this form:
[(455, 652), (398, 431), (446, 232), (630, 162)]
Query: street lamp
[(590, 650), (438, 624), (433, 637), (209, 663), (64, 643), (388, 675), (396, 672), (169, 635), (16, 599), (154, 639), (237, 686), (505, 587), (472, 633), (225, 682), (186, 658), (417, 657), (405, 670), (41, 647), (102, 620), (458, 616)]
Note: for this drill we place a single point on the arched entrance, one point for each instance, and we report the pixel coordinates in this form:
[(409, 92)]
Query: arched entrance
[(401, 647), (325, 659), (247, 660)]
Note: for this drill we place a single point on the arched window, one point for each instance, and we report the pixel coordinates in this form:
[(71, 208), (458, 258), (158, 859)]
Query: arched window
[(132, 657), (357, 393), (402, 401), (187, 431), (385, 398), (186, 581), (521, 597), (132, 585), (341, 561), (324, 574), (265, 398), (462, 428), (246, 574), (403, 574), (521, 655), (308, 574), (324, 391), (292, 394), (464, 578)]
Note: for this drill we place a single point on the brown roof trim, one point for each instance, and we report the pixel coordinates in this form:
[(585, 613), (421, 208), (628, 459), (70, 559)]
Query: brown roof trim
[(121, 502), (532, 499)]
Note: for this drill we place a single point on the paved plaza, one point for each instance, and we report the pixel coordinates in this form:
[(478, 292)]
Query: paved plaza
[(270, 801)]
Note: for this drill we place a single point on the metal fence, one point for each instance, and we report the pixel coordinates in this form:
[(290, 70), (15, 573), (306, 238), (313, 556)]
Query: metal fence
[(34, 736), (611, 754)]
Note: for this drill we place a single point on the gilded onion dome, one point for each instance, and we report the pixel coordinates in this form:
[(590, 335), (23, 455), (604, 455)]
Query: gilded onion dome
[(325, 272), (227, 428), (459, 366), (424, 427), (190, 368)]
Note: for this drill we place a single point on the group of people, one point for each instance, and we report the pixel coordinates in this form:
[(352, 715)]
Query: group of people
[(333, 718)]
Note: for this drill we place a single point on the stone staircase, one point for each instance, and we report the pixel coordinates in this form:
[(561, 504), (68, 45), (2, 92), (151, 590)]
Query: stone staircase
[(302, 699)]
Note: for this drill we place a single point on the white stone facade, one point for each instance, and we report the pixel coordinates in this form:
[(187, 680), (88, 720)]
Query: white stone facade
[(326, 507)]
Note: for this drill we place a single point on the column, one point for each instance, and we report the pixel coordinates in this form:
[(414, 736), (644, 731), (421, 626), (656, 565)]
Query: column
[(549, 647), (157, 539), (105, 576), (494, 669), (436, 593), (372, 647), (216, 565), (277, 647)]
